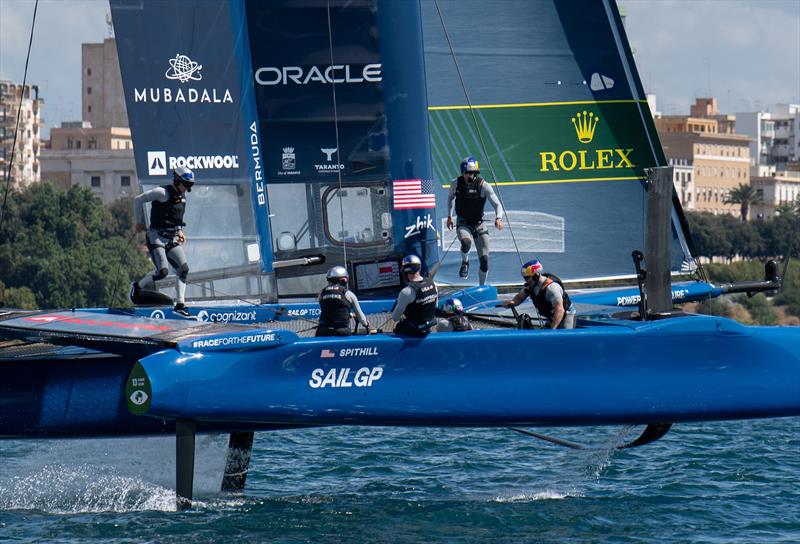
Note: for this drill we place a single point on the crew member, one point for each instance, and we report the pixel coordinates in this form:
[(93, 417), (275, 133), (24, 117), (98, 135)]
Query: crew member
[(415, 308), (469, 193), (165, 237), (337, 302), (547, 294), (455, 320)]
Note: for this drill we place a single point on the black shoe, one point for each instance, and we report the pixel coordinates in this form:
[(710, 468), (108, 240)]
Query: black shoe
[(134, 292), (463, 272), (181, 309)]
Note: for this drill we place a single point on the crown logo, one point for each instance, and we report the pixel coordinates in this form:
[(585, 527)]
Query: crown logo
[(288, 150), (584, 125)]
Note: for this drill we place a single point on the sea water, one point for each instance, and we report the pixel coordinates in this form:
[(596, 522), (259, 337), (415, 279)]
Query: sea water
[(724, 482)]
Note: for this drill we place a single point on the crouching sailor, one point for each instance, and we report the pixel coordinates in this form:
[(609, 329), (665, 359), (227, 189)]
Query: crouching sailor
[(547, 294), (336, 302), (415, 308), (165, 236), (455, 320)]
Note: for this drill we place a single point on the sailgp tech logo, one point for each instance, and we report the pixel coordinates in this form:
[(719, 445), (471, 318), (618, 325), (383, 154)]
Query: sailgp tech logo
[(585, 124)]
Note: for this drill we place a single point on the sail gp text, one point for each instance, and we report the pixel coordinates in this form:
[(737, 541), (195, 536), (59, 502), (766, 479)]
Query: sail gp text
[(345, 377)]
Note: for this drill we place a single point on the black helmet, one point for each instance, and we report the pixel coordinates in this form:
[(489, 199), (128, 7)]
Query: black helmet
[(184, 176)]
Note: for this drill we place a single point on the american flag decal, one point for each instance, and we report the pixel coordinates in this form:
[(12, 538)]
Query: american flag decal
[(413, 193), (327, 354)]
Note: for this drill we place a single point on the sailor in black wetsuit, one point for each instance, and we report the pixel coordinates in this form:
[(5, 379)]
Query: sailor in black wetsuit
[(469, 192), (548, 295), (336, 302), (415, 309), (455, 320), (165, 236)]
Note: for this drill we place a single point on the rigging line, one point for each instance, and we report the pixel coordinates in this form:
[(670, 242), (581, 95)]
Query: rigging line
[(19, 114), (455, 237), (116, 283), (477, 127), (336, 127)]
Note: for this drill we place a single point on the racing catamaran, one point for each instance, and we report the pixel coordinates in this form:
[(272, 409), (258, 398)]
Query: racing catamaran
[(305, 118)]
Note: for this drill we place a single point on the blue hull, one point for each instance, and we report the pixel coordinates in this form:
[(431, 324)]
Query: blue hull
[(688, 368)]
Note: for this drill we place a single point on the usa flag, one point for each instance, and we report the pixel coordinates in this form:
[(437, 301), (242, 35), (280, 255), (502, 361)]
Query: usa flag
[(327, 354), (413, 193)]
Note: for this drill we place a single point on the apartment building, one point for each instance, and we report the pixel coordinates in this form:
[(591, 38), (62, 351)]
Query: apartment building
[(706, 155), (26, 168), (98, 158)]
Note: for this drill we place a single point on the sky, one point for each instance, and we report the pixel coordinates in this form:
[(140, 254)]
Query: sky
[(744, 52)]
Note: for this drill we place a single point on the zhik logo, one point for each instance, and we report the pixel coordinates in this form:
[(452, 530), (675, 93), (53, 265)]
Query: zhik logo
[(157, 163)]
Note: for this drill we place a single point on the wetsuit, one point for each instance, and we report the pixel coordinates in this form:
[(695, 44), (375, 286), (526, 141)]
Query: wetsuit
[(336, 302), (416, 305), (469, 199), (546, 294), (164, 234)]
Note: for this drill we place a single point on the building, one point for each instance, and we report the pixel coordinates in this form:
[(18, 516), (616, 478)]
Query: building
[(775, 190), (708, 159), (681, 171), (25, 169), (776, 136), (103, 98), (98, 158), (96, 152)]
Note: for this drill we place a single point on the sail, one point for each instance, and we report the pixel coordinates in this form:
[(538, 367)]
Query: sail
[(189, 95), (546, 95), (310, 148), (341, 101)]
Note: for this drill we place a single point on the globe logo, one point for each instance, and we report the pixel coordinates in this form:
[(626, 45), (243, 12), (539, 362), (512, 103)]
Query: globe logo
[(183, 69)]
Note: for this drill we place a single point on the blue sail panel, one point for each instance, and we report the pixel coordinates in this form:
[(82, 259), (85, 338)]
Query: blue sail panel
[(251, 125), (342, 128), (188, 89)]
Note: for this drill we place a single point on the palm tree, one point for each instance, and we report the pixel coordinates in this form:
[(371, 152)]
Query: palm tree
[(744, 195)]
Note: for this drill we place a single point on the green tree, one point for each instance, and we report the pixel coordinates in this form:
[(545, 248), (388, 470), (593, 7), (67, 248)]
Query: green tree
[(760, 309), (67, 249), (709, 235), (744, 195), (21, 298)]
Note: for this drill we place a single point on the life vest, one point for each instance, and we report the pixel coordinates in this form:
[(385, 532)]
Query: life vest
[(335, 308), (169, 214), (469, 202), (540, 300), (421, 312)]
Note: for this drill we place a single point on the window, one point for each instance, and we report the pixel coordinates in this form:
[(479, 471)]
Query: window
[(88, 90), (95, 181), (88, 71), (89, 108), (77, 144), (70, 142), (125, 181), (92, 143)]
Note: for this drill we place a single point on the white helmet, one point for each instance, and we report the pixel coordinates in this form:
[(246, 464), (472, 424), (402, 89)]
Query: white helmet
[(452, 306), (184, 176), (411, 263), (337, 273)]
